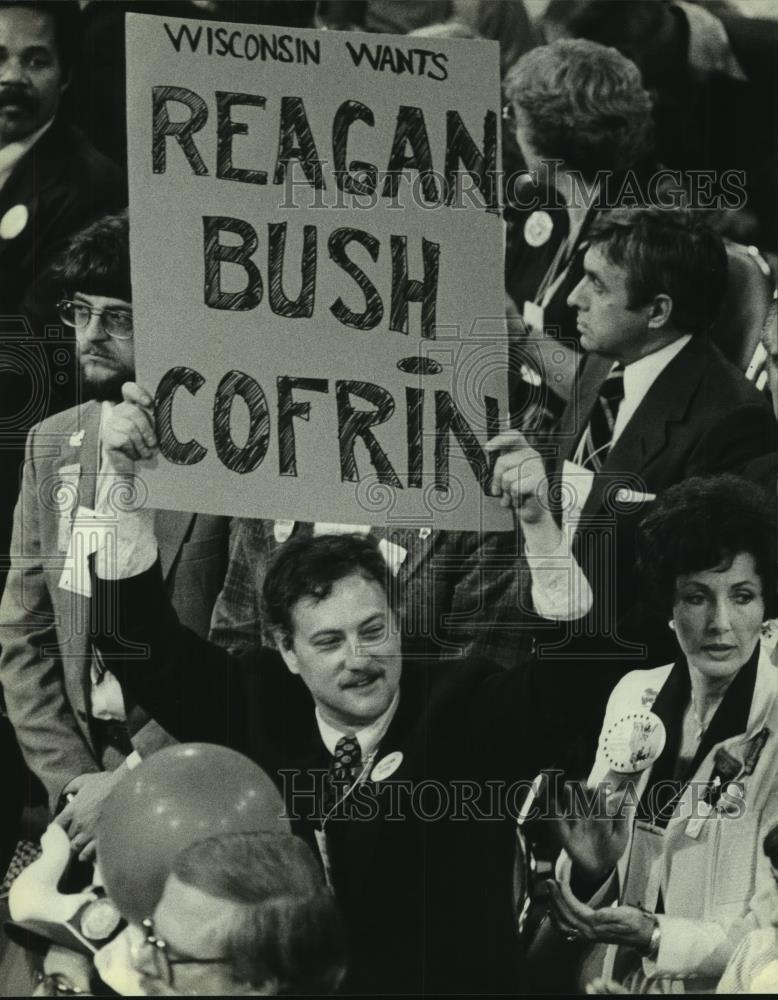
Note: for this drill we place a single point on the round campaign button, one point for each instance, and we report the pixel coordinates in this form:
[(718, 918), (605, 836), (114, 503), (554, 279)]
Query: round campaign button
[(633, 742), (13, 222), (99, 920), (538, 229), (387, 766)]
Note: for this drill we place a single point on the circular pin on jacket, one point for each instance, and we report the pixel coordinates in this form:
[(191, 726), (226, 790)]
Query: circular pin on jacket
[(13, 222), (99, 920), (538, 229), (387, 766), (633, 742)]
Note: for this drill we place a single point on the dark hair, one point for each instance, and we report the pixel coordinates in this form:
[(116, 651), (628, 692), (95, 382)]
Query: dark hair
[(704, 523), (289, 932), (584, 104), (66, 17), (770, 845), (97, 260), (309, 567), (609, 22), (667, 251)]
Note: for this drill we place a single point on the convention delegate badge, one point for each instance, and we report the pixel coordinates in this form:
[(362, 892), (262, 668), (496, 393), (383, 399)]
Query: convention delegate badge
[(538, 229), (387, 766), (633, 742), (13, 222)]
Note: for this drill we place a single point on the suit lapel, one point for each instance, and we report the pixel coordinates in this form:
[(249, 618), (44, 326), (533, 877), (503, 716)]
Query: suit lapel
[(171, 528), (645, 435), (79, 447), (364, 834), (419, 549)]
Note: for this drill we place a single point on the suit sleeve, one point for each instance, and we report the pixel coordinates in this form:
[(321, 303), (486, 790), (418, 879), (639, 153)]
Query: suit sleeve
[(32, 675), (191, 687)]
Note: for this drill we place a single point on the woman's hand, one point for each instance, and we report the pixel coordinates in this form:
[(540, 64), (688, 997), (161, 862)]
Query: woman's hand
[(575, 921), (595, 836)]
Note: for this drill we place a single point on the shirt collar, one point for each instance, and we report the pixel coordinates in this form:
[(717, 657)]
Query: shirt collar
[(641, 374), (14, 151), (368, 738)]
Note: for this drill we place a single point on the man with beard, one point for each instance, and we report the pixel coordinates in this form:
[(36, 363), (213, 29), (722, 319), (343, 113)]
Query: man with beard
[(52, 183), (75, 730)]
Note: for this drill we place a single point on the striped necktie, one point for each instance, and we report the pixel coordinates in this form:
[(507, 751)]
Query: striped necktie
[(595, 443)]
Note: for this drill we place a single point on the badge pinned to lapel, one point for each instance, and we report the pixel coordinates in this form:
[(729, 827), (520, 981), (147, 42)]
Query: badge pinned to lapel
[(386, 767), (14, 222), (633, 742), (538, 228), (77, 439)]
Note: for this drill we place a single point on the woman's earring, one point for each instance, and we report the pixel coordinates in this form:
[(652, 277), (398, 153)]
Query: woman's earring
[(671, 625)]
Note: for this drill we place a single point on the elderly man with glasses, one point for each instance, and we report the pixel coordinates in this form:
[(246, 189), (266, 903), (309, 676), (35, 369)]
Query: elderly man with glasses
[(75, 731)]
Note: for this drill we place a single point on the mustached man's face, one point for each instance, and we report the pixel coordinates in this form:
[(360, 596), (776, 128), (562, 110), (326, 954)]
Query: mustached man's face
[(31, 78), (346, 648), (106, 363)]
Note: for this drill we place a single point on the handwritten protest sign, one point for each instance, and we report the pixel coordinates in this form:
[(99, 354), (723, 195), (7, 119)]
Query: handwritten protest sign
[(317, 271)]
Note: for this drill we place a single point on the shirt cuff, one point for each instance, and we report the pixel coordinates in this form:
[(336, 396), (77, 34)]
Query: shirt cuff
[(560, 590)]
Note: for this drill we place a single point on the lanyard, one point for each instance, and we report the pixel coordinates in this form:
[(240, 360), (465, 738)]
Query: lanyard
[(562, 258)]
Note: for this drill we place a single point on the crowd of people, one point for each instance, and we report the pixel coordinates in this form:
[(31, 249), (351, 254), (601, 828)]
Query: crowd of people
[(268, 756)]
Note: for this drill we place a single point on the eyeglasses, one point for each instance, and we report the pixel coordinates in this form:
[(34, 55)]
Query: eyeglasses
[(117, 323), (163, 963)]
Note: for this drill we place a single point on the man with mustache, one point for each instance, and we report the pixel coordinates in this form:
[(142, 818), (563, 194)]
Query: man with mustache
[(52, 183), (407, 781), (76, 731)]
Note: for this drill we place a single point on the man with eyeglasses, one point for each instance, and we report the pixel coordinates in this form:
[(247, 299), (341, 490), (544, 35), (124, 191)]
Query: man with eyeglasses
[(52, 183), (241, 913), (74, 728)]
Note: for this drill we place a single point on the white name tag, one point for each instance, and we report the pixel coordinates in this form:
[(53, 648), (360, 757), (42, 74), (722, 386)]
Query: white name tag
[(578, 485), (87, 532)]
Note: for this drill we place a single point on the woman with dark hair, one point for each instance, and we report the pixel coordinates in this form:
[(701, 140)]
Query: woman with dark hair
[(685, 782), (581, 119)]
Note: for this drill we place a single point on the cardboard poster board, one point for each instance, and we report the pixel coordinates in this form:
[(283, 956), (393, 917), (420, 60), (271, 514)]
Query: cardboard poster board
[(317, 257)]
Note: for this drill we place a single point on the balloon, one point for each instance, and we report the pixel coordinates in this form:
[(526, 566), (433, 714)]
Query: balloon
[(177, 797)]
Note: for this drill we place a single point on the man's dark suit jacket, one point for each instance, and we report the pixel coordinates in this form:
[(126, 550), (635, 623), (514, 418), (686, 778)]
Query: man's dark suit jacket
[(428, 903), (700, 417), (64, 184)]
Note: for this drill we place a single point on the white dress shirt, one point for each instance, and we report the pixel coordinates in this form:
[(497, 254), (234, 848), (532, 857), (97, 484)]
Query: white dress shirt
[(14, 151), (368, 737)]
